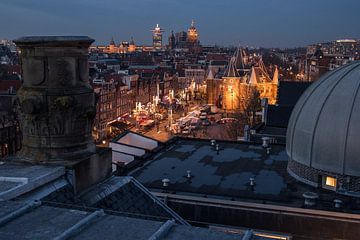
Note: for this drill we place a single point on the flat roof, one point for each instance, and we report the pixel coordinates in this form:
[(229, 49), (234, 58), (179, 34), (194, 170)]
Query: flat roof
[(223, 174), (227, 175)]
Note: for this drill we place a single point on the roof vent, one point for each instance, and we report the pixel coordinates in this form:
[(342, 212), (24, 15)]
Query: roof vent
[(188, 174), (265, 142), (338, 203), (268, 150), (310, 199), (252, 182), (165, 182)]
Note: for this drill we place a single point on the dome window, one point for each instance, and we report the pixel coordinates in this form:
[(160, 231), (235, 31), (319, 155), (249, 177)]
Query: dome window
[(329, 182)]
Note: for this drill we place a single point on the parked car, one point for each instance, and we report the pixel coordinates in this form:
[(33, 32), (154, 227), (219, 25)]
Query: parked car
[(206, 123)]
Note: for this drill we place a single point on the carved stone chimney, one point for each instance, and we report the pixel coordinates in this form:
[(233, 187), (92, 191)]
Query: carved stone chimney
[(56, 107)]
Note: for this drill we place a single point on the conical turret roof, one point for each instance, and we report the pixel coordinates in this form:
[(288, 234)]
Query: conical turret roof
[(210, 75), (276, 76), (253, 78)]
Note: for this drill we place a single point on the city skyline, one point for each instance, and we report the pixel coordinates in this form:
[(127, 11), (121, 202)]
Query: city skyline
[(276, 23)]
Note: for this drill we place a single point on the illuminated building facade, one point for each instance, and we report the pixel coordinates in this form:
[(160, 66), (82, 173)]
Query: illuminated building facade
[(232, 91), (112, 47), (123, 47), (157, 37), (132, 46)]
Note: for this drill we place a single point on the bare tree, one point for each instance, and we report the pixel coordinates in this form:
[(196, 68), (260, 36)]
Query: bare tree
[(249, 104)]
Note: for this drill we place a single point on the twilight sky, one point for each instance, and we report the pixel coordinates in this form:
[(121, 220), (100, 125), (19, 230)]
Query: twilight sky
[(268, 23)]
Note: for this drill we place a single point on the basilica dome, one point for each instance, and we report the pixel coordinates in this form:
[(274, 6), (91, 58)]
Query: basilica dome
[(324, 131)]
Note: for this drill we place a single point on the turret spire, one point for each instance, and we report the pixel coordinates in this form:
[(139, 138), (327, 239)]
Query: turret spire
[(276, 76)]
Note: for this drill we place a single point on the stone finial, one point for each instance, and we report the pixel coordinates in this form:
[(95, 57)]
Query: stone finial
[(56, 102)]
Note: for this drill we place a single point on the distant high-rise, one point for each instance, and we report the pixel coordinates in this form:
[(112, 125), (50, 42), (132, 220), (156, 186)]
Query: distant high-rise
[(157, 37), (180, 38), (172, 42)]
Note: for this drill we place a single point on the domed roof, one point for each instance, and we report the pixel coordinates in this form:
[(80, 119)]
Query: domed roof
[(324, 127)]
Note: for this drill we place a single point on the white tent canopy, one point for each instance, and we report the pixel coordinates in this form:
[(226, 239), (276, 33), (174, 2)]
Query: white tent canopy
[(137, 140), (131, 145)]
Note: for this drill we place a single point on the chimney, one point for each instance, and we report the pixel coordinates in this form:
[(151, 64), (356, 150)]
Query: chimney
[(57, 106)]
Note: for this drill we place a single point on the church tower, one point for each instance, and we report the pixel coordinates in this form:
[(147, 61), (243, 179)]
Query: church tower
[(192, 34)]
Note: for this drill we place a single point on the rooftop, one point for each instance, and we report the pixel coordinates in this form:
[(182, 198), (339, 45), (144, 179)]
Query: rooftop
[(39, 221), (227, 175)]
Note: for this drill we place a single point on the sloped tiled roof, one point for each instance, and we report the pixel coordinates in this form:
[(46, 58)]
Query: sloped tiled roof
[(124, 195), (259, 75), (239, 61), (231, 69), (33, 220)]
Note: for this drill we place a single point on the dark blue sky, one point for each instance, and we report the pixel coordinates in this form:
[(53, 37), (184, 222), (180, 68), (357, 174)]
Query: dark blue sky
[(268, 23)]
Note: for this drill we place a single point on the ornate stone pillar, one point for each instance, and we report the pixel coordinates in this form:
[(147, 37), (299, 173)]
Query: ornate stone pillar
[(56, 102)]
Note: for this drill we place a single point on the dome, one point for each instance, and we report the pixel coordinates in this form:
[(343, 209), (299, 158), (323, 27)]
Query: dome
[(324, 128)]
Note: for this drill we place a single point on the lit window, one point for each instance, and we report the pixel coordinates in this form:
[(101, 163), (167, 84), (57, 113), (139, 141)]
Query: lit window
[(330, 181)]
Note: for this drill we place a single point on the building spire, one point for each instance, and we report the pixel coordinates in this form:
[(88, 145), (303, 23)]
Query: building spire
[(210, 75), (112, 42), (276, 76), (192, 23), (253, 78)]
